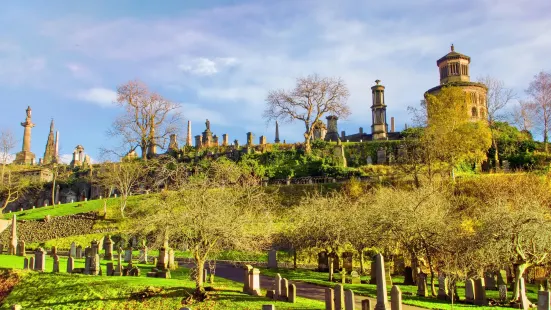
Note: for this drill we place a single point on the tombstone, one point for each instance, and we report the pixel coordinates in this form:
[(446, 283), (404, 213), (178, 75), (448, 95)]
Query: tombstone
[(369, 161), (205, 275), (254, 285), (171, 263), (268, 307), (395, 298), (26, 263), (502, 277), (40, 259), (422, 284), (323, 262), (108, 247), (78, 252), (502, 292), (524, 302), (246, 284), (94, 266), (20, 248), (53, 251), (56, 264), (272, 259), (408, 276), (349, 303), (329, 299), (73, 250), (31, 263), (70, 264), (143, 255), (95, 246), (347, 261), (355, 278), (543, 300), (469, 291), (480, 293), (162, 261), (490, 280), (118, 269), (381, 283), (270, 294), (339, 297), (292, 298), (335, 261), (443, 291), (381, 158), (284, 289), (110, 269), (277, 284), (87, 261), (366, 304), (128, 255)]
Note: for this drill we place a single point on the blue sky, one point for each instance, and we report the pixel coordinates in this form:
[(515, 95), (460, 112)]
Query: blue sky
[(220, 58)]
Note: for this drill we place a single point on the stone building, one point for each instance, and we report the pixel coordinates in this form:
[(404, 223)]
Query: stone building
[(79, 158), (454, 71)]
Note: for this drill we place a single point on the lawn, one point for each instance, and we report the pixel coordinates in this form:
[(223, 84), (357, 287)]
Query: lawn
[(409, 292), (46, 290)]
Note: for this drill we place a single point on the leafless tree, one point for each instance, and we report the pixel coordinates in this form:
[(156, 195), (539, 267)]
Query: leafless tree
[(311, 99), (539, 92), (148, 119), (522, 116), (497, 98), (7, 144), (12, 188)]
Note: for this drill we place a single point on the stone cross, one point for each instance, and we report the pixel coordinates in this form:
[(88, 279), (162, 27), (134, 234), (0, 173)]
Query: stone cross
[(339, 297), (381, 283), (349, 303), (395, 298), (329, 299)]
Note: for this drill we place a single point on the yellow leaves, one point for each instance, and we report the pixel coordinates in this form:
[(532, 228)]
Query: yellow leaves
[(469, 226)]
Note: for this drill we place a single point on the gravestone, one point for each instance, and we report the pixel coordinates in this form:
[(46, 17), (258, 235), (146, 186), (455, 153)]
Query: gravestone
[(171, 264), (12, 248), (524, 302), (78, 252), (422, 284), (366, 304), (335, 261), (469, 291), (118, 268), (543, 300), (329, 299), (480, 293), (94, 246), (31, 263), (408, 276), (246, 270), (502, 292), (272, 259), (70, 264), (162, 260), (254, 284), (40, 259), (277, 288), (94, 266), (73, 250), (128, 255), (1, 248), (268, 307), (292, 298), (355, 278), (443, 288), (110, 269), (339, 297), (53, 251), (108, 247), (395, 298), (26, 263), (381, 158), (323, 263), (20, 251), (87, 251), (349, 302), (284, 289), (490, 280), (56, 264), (143, 255), (347, 261), (502, 277), (381, 283)]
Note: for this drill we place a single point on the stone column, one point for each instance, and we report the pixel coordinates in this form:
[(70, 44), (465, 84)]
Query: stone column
[(12, 249), (276, 132), (188, 137), (395, 298), (250, 138), (225, 139), (332, 128), (381, 283), (108, 245)]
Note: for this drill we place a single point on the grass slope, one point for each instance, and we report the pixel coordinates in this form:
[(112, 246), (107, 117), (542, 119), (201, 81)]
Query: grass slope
[(46, 290)]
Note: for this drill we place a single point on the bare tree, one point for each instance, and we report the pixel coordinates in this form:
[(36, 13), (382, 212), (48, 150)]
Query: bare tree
[(312, 98), (12, 188), (539, 91), (125, 177), (7, 144), (497, 98), (522, 116), (148, 119)]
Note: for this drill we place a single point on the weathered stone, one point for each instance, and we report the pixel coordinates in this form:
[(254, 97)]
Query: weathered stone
[(347, 261), (349, 303), (26, 263), (31, 263), (171, 263), (490, 280), (254, 284), (502, 292), (329, 299), (162, 261), (272, 259), (118, 267), (246, 283), (277, 286), (78, 252), (422, 285), (284, 295), (408, 276), (20, 251), (108, 247), (56, 264), (443, 293), (355, 278), (292, 293), (469, 291), (480, 293), (395, 298), (40, 259), (73, 250), (143, 255), (339, 297), (94, 267), (70, 264), (366, 304), (381, 283), (128, 255), (110, 269), (543, 300)]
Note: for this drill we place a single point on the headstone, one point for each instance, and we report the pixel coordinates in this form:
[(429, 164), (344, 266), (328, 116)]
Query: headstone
[(422, 284), (118, 269), (323, 263), (524, 302), (443, 288), (480, 293), (469, 291), (292, 293), (128, 255), (355, 278), (247, 269), (395, 298), (254, 285), (543, 300), (349, 302), (143, 255), (381, 158), (381, 283), (87, 251), (78, 252), (408, 276), (56, 264), (339, 297), (162, 261), (502, 292), (284, 289), (343, 276), (490, 280), (31, 263), (40, 259), (20, 248), (171, 263), (366, 304), (270, 294), (73, 250), (110, 268), (347, 261), (26, 263), (272, 259), (108, 247), (1, 248), (94, 268), (277, 288), (329, 299), (70, 264), (94, 246), (268, 307)]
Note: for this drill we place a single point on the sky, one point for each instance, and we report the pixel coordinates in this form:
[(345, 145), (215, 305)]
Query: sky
[(219, 59)]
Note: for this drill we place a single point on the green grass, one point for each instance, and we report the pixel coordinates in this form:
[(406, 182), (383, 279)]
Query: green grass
[(43, 290), (409, 292)]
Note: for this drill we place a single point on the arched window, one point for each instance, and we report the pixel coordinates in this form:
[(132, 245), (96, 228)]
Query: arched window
[(474, 112)]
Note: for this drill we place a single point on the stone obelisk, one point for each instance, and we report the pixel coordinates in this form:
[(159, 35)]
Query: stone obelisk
[(277, 133), (381, 283), (188, 138), (13, 242), (26, 157)]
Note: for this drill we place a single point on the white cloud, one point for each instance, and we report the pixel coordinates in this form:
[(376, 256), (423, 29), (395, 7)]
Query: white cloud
[(103, 97), (206, 66)]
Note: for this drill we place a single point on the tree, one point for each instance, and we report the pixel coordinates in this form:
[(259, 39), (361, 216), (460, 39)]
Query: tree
[(522, 116), (7, 143), (148, 119), (312, 98), (450, 135), (539, 92), (12, 188), (497, 98)]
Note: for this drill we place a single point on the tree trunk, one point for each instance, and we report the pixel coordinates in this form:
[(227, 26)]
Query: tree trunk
[(123, 205), (496, 155), (53, 193), (307, 146), (362, 260), (200, 292), (330, 263), (294, 258), (519, 272)]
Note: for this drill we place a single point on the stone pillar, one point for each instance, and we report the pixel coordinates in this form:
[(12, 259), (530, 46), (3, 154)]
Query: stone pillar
[(395, 298), (329, 299), (339, 297), (108, 245), (188, 137), (225, 139), (250, 138), (262, 140), (276, 132), (26, 157), (70, 264), (379, 126), (392, 124), (12, 249), (198, 143), (255, 282), (349, 303), (118, 268), (332, 128), (143, 255), (381, 283)]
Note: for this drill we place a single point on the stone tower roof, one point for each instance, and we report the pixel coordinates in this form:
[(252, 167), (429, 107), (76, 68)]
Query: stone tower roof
[(452, 55)]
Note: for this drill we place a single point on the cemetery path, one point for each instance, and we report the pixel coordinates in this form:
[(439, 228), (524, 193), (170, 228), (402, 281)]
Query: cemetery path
[(306, 290)]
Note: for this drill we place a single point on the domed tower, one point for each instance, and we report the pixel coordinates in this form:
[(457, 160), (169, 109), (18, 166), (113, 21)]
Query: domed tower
[(454, 71), (379, 127)]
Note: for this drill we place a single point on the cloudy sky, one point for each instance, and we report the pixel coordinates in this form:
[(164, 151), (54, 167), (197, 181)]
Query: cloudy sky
[(220, 58)]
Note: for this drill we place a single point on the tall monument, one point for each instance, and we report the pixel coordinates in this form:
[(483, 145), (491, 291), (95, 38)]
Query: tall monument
[(50, 154), (188, 138), (379, 129), (277, 133), (26, 157)]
